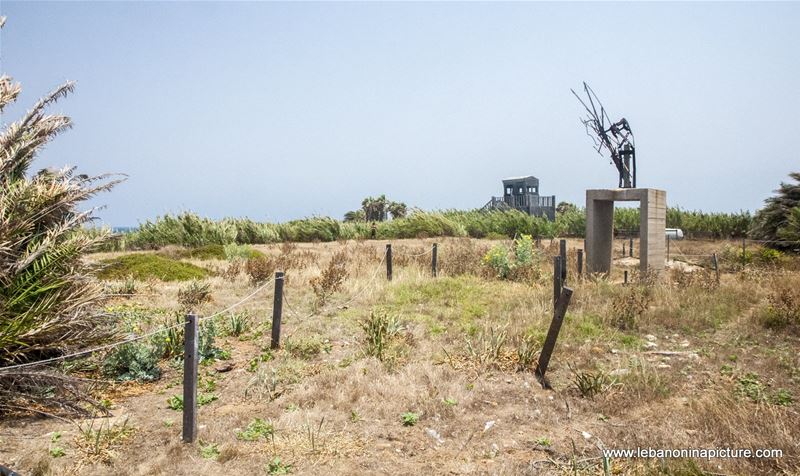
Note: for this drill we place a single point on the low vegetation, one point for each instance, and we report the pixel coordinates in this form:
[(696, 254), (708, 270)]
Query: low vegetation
[(144, 266)]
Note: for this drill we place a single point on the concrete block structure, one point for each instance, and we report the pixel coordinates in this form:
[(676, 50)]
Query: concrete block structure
[(600, 227)]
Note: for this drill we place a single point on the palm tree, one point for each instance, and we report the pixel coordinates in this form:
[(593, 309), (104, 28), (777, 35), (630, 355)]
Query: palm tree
[(48, 298)]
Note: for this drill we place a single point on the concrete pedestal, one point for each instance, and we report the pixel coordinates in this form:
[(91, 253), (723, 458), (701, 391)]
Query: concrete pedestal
[(600, 227)]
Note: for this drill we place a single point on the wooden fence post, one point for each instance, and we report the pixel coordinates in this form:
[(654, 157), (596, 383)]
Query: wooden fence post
[(716, 265), (744, 250), (557, 283), (552, 335), (623, 250), (190, 358), (580, 262), (277, 310), (562, 245), (434, 259), (668, 240), (389, 261), (630, 247), (625, 282)]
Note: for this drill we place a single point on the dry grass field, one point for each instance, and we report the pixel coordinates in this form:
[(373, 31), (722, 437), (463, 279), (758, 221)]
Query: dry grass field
[(426, 375)]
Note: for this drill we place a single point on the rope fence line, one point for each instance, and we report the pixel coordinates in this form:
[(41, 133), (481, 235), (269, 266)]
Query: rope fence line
[(131, 339)]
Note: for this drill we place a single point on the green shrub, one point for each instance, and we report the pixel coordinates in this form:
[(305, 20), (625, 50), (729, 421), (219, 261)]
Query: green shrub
[(520, 262), (133, 361), (143, 266), (233, 252)]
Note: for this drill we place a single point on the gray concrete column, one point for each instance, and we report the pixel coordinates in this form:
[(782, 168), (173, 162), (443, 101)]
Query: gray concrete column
[(599, 232)]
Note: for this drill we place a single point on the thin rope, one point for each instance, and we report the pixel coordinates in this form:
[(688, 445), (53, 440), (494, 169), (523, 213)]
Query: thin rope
[(132, 339)]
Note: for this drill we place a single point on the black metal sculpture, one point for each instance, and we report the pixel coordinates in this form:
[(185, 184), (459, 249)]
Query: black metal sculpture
[(615, 137)]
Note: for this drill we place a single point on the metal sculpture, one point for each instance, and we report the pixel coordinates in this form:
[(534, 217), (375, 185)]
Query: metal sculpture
[(616, 138)]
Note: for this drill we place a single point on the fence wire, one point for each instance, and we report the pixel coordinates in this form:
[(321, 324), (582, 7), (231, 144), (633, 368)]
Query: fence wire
[(131, 339)]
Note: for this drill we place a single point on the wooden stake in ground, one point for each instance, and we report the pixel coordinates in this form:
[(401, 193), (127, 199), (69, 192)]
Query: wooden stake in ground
[(552, 335), (557, 283), (190, 379), (434, 258), (389, 262), (277, 310)]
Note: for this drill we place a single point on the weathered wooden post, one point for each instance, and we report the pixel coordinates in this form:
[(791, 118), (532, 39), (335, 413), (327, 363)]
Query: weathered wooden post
[(434, 259), (557, 283), (626, 278), (389, 261), (190, 361), (552, 335), (623, 250), (277, 310), (716, 265), (562, 245), (630, 247), (580, 262), (668, 240), (744, 250)]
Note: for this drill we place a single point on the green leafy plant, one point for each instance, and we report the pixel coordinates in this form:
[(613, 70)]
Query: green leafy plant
[(276, 466), (750, 386), (209, 450), (409, 418), (256, 430), (133, 361)]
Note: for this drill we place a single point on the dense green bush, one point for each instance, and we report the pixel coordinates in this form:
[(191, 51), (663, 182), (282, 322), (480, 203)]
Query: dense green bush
[(143, 266), (310, 230)]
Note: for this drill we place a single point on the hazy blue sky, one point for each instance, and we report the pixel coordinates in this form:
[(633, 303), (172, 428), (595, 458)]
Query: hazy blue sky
[(283, 110)]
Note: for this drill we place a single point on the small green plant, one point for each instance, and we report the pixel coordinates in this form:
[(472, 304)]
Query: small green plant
[(527, 353), (206, 347), (276, 466), (769, 256), (450, 401), (750, 386), (239, 323), (380, 329), (782, 397), (590, 384), (409, 418), (55, 450), (256, 430), (726, 369), (133, 361), (175, 402), (354, 416), (543, 441), (168, 423), (209, 450), (307, 347), (487, 347)]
